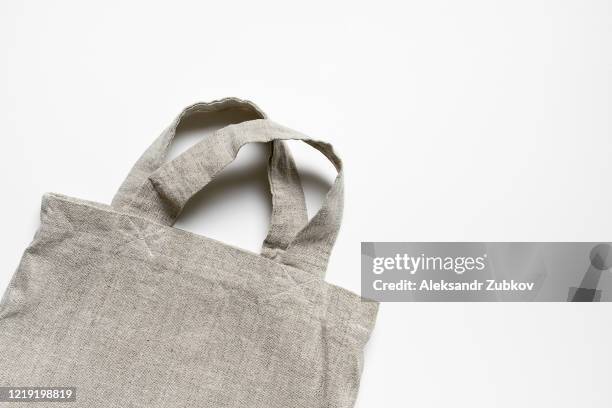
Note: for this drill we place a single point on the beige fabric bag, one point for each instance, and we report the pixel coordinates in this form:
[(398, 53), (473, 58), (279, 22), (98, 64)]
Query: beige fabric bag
[(135, 313)]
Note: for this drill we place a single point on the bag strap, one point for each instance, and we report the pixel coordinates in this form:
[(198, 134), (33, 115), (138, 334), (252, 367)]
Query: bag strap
[(166, 191), (285, 185)]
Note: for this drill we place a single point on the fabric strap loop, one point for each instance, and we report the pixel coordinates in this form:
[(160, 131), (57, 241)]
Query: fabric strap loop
[(166, 191), (288, 204)]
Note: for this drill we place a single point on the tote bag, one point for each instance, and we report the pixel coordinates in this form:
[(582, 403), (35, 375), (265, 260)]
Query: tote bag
[(132, 312)]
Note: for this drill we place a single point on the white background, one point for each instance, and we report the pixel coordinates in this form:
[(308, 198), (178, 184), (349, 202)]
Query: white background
[(457, 120)]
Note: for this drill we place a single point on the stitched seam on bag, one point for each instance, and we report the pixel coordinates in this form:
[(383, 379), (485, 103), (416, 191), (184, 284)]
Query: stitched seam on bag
[(140, 237), (358, 322), (262, 301), (112, 212), (296, 287), (296, 284), (155, 252)]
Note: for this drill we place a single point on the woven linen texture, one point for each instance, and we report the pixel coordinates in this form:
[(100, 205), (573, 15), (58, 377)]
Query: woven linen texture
[(113, 300)]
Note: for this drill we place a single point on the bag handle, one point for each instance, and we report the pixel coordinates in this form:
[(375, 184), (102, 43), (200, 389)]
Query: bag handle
[(286, 188), (166, 191)]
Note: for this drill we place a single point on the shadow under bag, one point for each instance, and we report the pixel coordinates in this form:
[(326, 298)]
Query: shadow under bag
[(132, 312)]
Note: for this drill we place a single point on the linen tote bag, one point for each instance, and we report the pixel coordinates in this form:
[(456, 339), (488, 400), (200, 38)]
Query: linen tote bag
[(132, 312)]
